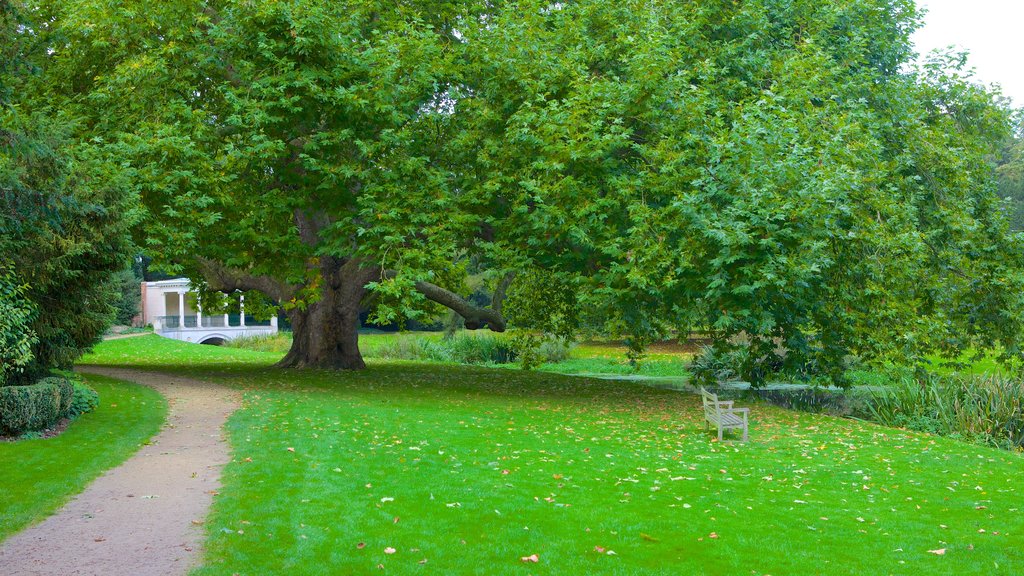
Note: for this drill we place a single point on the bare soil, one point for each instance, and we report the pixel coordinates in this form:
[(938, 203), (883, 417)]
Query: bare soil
[(143, 518)]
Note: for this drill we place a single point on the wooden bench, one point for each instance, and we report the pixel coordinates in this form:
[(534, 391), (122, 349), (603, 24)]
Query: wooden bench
[(722, 414)]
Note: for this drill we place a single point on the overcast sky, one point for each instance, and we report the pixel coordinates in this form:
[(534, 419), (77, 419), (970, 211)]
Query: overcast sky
[(991, 30)]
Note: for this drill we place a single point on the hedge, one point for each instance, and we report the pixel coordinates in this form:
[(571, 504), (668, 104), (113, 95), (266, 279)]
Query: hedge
[(35, 407)]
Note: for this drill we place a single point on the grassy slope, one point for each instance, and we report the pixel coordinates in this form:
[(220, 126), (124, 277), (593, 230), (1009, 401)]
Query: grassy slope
[(471, 469), (38, 476)]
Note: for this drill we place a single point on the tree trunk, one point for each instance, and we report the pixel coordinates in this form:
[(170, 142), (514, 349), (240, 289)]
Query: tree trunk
[(326, 332)]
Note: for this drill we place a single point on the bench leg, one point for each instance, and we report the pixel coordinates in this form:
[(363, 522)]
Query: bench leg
[(744, 432), (719, 433)]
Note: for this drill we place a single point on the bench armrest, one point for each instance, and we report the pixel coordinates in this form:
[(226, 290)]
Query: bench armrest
[(737, 410)]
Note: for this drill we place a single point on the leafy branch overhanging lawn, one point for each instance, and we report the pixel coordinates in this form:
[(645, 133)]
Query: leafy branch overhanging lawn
[(468, 470)]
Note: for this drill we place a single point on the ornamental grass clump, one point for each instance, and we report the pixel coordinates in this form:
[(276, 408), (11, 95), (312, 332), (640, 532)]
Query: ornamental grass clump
[(987, 410)]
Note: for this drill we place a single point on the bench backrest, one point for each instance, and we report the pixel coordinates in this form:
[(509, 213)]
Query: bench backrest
[(712, 409)]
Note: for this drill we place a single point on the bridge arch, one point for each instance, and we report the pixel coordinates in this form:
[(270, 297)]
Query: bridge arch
[(214, 339)]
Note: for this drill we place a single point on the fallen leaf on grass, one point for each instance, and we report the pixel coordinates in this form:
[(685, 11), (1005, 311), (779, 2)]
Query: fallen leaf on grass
[(389, 550), (361, 545), (938, 552), (530, 558)]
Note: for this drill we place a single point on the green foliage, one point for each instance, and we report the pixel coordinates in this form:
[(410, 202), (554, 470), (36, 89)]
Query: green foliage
[(16, 335), (988, 410), (758, 169), (84, 400), (35, 407), (1011, 177), (712, 365), (466, 347), (462, 348), (737, 360), (64, 212), (30, 408), (128, 296), (66, 391), (66, 260), (544, 302)]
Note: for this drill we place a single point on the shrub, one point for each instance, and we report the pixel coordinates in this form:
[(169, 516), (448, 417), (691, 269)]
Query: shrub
[(16, 335), (26, 408), (713, 365), (468, 348), (738, 361), (472, 348), (84, 400), (67, 394), (555, 350), (401, 347)]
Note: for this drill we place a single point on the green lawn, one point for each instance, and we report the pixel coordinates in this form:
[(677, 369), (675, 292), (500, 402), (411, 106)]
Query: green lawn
[(465, 470), (38, 476), (664, 360)]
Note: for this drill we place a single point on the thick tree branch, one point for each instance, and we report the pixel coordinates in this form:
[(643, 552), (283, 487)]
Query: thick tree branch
[(475, 316), (226, 279)]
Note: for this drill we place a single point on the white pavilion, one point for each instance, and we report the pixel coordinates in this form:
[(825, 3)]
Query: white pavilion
[(172, 308)]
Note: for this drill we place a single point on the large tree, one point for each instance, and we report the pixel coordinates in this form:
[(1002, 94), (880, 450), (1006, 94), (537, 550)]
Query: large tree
[(766, 169)]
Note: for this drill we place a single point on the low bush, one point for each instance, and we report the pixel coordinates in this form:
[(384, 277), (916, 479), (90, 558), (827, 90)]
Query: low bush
[(401, 347), (737, 362), (986, 410), (26, 409), (468, 348), (711, 366), (67, 394), (84, 400)]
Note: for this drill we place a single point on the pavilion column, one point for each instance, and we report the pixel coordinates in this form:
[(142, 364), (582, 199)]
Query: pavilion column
[(181, 310), (199, 314), (241, 310)]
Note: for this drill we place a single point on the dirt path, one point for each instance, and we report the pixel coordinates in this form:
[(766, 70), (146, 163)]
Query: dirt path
[(144, 517)]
